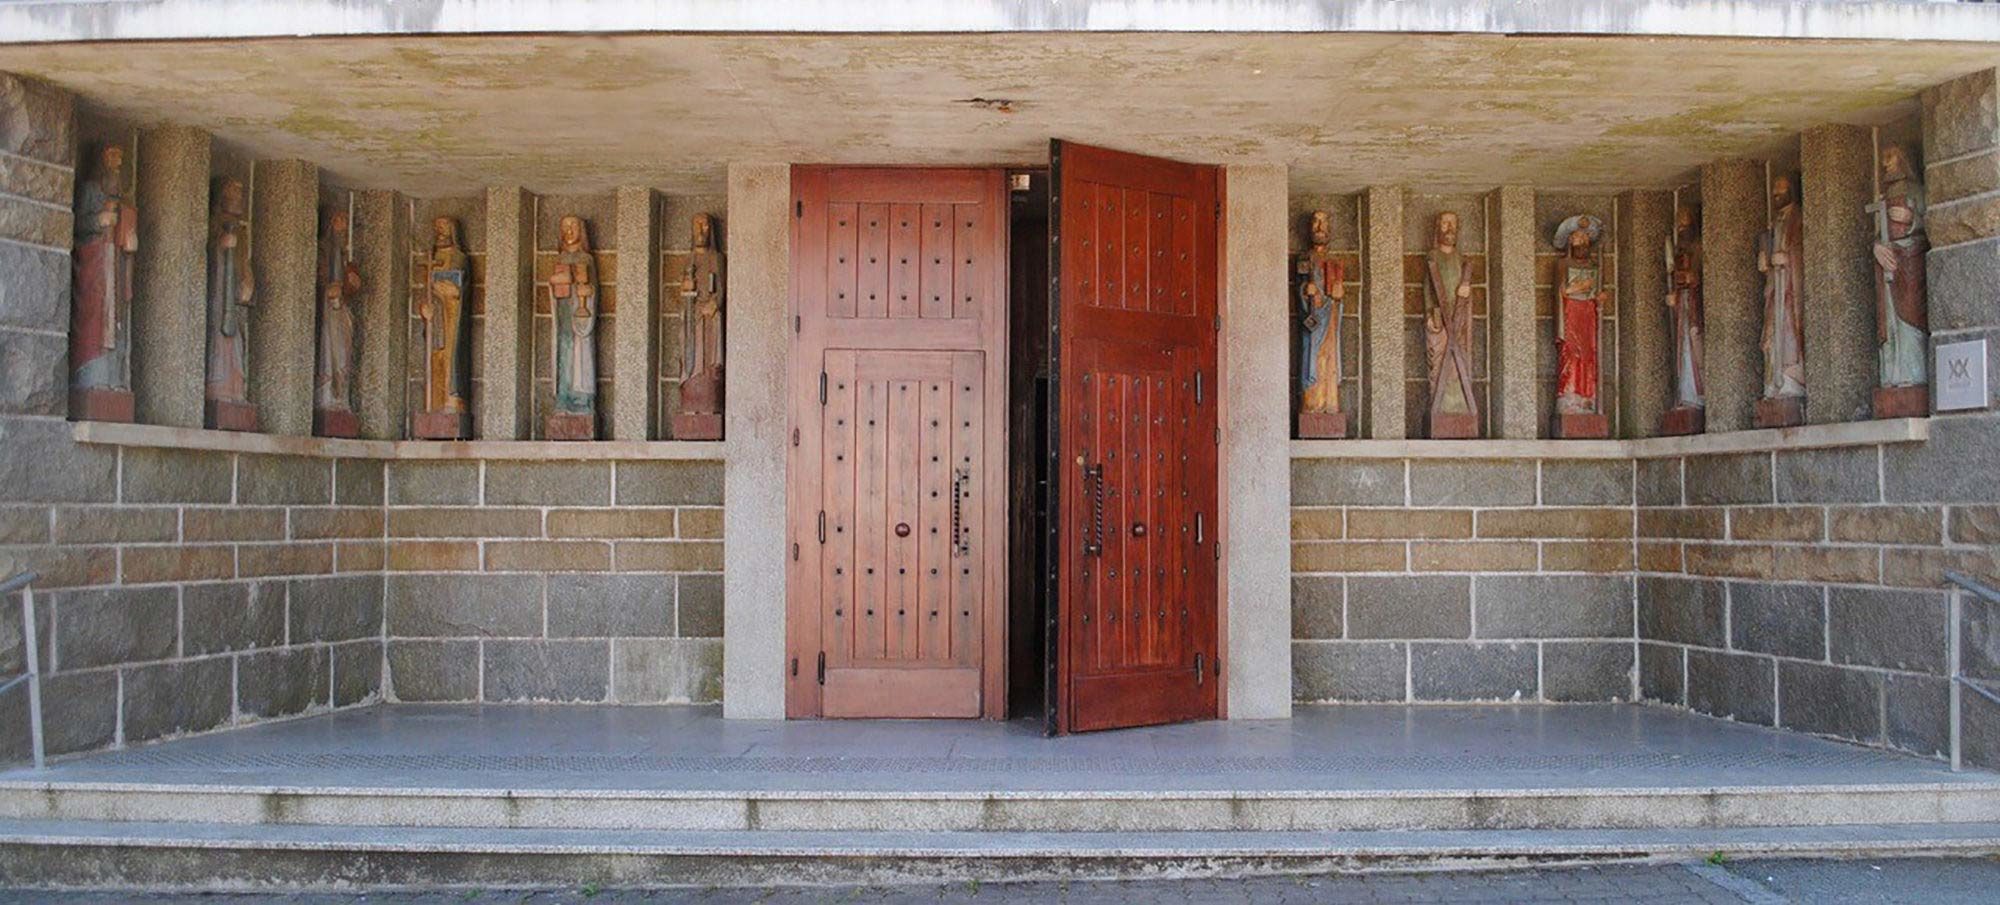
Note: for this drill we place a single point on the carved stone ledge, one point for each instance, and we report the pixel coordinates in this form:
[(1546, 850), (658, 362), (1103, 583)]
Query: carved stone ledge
[(153, 435), (1811, 436)]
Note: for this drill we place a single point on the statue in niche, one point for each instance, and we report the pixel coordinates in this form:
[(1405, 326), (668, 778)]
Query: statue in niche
[(1902, 321), (1689, 412), (339, 289), (1321, 288), (445, 311), (1454, 410), (232, 291), (1781, 258), (1580, 299), (573, 292), (100, 336), (700, 414)]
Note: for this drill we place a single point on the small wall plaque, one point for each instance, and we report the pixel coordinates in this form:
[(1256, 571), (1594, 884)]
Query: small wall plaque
[(1961, 375)]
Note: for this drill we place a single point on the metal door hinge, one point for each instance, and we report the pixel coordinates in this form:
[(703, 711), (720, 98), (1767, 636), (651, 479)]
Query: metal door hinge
[(1199, 525), (822, 526), (799, 209), (822, 388), (795, 667), (795, 436), (1197, 668), (798, 324), (795, 551), (822, 667)]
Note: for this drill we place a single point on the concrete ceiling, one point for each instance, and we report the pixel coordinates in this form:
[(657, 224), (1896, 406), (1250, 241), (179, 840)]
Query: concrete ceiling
[(437, 116)]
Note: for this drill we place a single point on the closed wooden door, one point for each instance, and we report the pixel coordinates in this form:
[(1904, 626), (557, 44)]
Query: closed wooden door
[(1134, 632), (896, 481)]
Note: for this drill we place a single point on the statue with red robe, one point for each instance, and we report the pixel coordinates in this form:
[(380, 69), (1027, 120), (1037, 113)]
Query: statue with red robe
[(100, 336), (1781, 257), (1580, 299)]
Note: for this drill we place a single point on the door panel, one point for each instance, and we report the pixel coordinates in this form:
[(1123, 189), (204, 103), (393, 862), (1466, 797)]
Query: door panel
[(1134, 627), (896, 604)]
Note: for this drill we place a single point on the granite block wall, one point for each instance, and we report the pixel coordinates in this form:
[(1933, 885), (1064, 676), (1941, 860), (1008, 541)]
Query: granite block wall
[(562, 581), (1427, 580)]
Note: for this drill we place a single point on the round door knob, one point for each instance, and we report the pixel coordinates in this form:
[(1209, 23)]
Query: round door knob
[(1138, 529), (902, 529)]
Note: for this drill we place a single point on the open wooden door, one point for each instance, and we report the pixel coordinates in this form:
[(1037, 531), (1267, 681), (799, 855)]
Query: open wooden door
[(1133, 257)]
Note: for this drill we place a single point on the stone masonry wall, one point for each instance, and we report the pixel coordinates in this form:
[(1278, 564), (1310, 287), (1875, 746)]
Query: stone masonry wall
[(1462, 580), (578, 581)]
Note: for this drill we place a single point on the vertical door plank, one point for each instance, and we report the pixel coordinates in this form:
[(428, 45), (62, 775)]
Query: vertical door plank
[(837, 470), (968, 410), (871, 516), (906, 252), (1110, 246), (904, 477), (841, 267), (1138, 227), (1078, 250), (1159, 244), (934, 525), (1185, 258), (872, 263), (938, 263)]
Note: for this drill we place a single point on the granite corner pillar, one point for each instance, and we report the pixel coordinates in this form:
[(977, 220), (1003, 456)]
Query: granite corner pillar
[(633, 330), (170, 276), (505, 377), (284, 323), (1645, 345), (38, 176), (1511, 306), (1961, 136), (381, 244), (1733, 214), (1382, 251), (757, 348), (1836, 176)]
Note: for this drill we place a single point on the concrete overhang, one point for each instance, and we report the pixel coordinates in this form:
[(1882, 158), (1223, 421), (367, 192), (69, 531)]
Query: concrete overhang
[(569, 113), (25, 21)]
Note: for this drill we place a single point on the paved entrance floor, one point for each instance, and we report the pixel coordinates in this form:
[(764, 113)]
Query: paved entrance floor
[(1331, 748)]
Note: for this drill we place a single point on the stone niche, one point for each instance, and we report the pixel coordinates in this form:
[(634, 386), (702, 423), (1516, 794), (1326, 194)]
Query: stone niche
[(1551, 207), (1420, 213), (600, 220), (1344, 210), (673, 213), (470, 213)]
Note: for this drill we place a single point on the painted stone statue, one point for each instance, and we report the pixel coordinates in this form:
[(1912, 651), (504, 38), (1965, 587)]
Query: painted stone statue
[(1454, 410), (1689, 412), (339, 289), (1902, 321), (1321, 288), (702, 285), (573, 292), (1781, 258), (1580, 299), (100, 336), (446, 310), (232, 292)]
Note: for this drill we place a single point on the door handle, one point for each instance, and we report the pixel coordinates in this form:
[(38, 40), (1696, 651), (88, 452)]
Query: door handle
[(1093, 534), (959, 479)]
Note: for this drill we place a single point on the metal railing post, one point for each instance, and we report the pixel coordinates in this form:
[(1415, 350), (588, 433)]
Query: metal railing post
[(1957, 681), (29, 640)]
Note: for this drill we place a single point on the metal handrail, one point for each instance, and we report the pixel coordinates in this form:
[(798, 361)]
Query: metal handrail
[(1983, 591), (25, 583)]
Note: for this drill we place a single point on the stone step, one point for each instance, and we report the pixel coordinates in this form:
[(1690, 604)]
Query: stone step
[(1009, 811), (83, 854)]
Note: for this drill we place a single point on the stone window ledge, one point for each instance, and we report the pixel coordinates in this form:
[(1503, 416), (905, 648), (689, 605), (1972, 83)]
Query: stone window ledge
[(153, 435), (1811, 436)]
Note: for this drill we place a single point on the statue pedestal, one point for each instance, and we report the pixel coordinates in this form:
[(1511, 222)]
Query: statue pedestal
[(336, 423), (1584, 426), (570, 427), (1781, 411), (697, 426), (101, 404), (1322, 425), (442, 426), (1902, 402), (1684, 420), (1455, 427), (224, 415)]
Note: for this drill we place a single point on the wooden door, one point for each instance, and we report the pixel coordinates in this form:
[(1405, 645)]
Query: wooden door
[(896, 482), (1134, 630)]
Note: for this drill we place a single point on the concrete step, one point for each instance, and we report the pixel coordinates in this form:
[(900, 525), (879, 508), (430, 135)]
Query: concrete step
[(85, 854), (1009, 811)]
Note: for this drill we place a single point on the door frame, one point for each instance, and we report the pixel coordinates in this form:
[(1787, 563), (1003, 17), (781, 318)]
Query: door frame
[(806, 345)]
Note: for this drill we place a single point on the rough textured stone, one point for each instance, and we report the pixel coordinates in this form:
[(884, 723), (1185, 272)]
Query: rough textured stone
[(263, 560), (1587, 671), (177, 476), (1350, 557), (1645, 345), (1975, 525), (342, 523), (1493, 671), (1733, 203), (1956, 465), (1553, 523), (463, 605), (1819, 562), (219, 523), (283, 331), (170, 278), (611, 523), (1894, 525), (172, 698), (1829, 700), (1893, 629), (1960, 283), (1682, 610), (1729, 560), (1475, 556), (1316, 607), (472, 522), (699, 607), (33, 224), (112, 525), (1788, 620), (381, 231), (1586, 482), (357, 482), (631, 343), (294, 480), (1404, 524), (1436, 606), (1511, 325), (108, 626), (1738, 686), (433, 670), (1778, 523), (1608, 556), (704, 523), (236, 616), (357, 672), (1472, 483), (1918, 712), (1347, 482), (1837, 170), (1659, 482), (501, 399), (1964, 220), (1956, 179), (1350, 672), (37, 293), (433, 556), (1738, 478), (148, 565), (547, 670), (669, 483), (548, 483), (548, 556), (1841, 475), (283, 682), (1959, 116), (336, 609), (1552, 606), (667, 671), (597, 606), (668, 556), (1662, 676), (87, 717), (1383, 241), (34, 377), (433, 483), (42, 465)]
